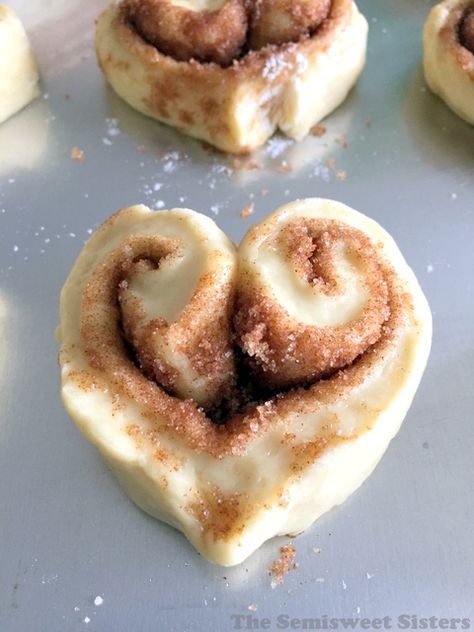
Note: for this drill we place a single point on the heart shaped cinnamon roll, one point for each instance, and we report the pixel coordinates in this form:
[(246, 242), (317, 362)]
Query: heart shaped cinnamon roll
[(239, 393), (232, 72), (448, 40)]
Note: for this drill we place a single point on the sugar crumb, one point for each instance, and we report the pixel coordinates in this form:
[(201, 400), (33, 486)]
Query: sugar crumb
[(247, 210), (284, 167), (283, 565), (318, 130), (77, 154)]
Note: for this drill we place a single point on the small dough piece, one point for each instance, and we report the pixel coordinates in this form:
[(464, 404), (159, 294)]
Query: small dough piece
[(285, 457), (19, 79), (236, 108), (448, 60)]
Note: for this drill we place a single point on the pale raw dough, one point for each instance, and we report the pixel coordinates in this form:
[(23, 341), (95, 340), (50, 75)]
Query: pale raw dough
[(19, 80), (239, 107), (228, 498), (449, 66)]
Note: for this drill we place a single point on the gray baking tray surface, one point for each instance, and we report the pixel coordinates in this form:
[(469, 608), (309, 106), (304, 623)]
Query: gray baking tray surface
[(75, 553)]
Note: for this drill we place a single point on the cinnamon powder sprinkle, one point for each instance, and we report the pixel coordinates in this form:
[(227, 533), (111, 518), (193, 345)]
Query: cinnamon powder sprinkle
[(283, 565), (247, 210), (77, 154)]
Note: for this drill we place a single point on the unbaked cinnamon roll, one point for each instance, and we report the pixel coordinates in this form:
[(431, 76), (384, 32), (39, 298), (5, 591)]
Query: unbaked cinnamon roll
[(449, 55), (271, 379), (19, 79), (231, 72)]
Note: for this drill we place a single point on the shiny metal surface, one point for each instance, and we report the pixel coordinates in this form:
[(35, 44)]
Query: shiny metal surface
[(403, 543)]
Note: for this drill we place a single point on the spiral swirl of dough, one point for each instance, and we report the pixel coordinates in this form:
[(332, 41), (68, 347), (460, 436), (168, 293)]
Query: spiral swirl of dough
[(164, 289), (216, 30), (312, 297), (205, 30)]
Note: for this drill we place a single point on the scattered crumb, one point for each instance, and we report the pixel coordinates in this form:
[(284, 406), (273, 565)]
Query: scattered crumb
[(341, 175), (318, 130), (77, 154), (454, 196), (430, 268), (369, 124), (331, 163), (342, 142), (87, 620), (316, 549), (247, 210), (253, 607), (248, 164), (285, 167), (344, 585), (320, 580), (141, 149), (369, 576), (264, 192), (283, 565), (67, 96), (98, 601)]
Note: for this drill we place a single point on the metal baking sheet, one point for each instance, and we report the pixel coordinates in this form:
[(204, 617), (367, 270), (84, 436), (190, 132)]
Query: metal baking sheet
[(75, 553)]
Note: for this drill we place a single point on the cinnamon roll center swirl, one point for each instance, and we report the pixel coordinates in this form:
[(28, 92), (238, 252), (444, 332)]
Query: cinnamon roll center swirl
[(207, 31), (466, 29), (131, 315), (323, 305)]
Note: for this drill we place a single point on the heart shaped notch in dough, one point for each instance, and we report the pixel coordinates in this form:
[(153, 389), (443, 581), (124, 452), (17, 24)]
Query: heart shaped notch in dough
[(240, 393)]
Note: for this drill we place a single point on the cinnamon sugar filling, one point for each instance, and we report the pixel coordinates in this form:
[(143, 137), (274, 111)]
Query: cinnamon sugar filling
[(248, 408), (206, 36), (466, 29), (227, 33)]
